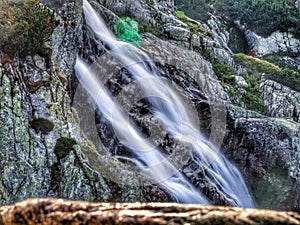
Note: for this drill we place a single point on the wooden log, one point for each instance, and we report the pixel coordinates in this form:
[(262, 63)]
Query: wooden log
[(59, 211)]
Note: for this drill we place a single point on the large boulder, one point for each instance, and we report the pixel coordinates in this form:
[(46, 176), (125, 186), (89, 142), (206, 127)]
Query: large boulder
[(267, 151)]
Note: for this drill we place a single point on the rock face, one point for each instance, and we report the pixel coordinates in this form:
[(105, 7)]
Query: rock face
[(45, 146), (219, 49), (280, 101), (157, 14), (41, 141), (208, 40), (276, 42), (267, 151), (49, 211)]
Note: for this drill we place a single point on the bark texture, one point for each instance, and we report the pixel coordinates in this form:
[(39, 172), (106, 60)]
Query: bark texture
[(58, 211)]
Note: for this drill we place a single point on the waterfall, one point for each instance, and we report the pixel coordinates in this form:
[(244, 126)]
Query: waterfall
[(172, 111)]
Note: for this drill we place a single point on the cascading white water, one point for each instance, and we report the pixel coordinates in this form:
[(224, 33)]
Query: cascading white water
[(220, 172), (176, 184)]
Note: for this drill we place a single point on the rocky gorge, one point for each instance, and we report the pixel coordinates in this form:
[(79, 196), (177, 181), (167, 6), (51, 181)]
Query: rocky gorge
[(48, 148)]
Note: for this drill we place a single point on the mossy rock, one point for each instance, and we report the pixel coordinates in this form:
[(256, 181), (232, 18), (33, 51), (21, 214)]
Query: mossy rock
[(43, 125), (284, 75), (195, 27), (63, 146)]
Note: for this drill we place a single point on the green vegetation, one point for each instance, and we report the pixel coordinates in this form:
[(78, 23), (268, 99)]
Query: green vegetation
[(256, 64), (278, 59), (195, 27), (262, 16), (127, 29), (284, 75), (249, 97), (150, 3), (24, 27), (225, 73), (196, 9), (145, 28)]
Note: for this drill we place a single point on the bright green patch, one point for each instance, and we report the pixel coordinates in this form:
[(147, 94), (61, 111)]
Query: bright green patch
[(181, 15), (255, 64), (127, 29)]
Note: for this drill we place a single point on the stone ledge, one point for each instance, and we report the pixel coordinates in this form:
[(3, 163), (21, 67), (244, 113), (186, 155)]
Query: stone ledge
[(58, 211)]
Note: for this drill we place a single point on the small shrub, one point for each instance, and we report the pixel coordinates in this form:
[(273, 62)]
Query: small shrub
[(145, 28), (278, 59), (252, 101), (25, 26), (181, 15), (127, 29), (225, 73), (250, 98)]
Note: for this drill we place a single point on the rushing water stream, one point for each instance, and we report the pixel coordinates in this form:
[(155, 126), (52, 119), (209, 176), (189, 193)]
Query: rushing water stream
[(175, 116)]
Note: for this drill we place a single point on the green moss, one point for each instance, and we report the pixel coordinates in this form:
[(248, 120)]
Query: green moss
[(255, 64), (150, 3), (181, 15), (284, 75), (43, 125), (194, 26), (127, 29), (63, 146), (145, 28)]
